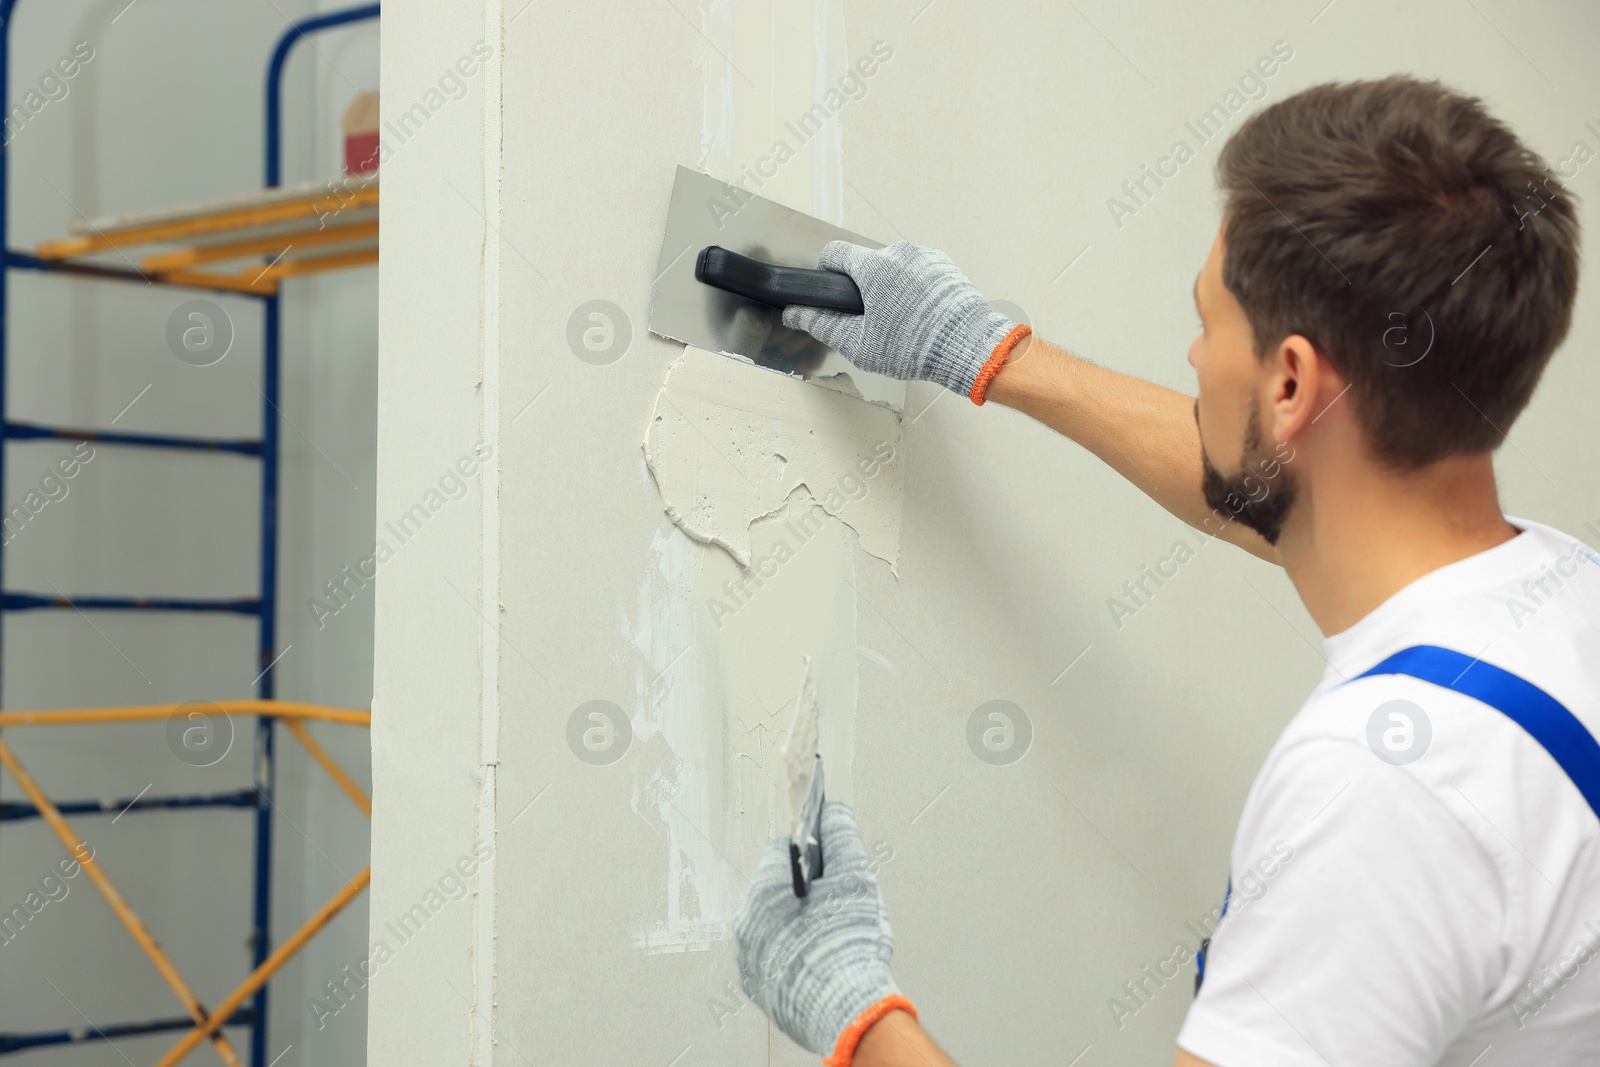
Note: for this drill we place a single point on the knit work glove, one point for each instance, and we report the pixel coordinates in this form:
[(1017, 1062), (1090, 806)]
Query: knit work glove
[(819, 966), (923, 319)]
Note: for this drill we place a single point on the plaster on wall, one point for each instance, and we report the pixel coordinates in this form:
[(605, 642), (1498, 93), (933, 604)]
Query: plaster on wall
[(773, 470), (729, 443)]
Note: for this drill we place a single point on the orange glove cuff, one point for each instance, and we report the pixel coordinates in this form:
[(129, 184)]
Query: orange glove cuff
[(845, 1050), (996, 360)]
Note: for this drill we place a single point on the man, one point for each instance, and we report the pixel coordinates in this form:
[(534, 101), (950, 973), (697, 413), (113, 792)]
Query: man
[(1393, 270)]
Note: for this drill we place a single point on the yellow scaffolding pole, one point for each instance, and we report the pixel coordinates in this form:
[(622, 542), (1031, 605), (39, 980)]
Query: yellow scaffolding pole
[(310, 208), (259, 246), (335, 772), (277, 709), (205, 279), (344, 221), (291, 268)]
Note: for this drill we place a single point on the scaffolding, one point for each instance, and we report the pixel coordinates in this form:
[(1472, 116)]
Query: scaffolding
[(298, 230)]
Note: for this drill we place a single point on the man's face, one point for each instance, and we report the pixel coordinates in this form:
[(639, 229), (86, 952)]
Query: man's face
[(1244, 477)]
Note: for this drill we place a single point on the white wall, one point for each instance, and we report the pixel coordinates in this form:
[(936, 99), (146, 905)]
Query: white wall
[(1023, 896), (170, 111)]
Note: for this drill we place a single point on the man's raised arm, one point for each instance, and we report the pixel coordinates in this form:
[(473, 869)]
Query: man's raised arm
[(924, 320), (1144, 431)]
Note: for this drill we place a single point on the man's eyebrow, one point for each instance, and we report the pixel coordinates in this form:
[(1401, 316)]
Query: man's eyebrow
[(1197, 292)]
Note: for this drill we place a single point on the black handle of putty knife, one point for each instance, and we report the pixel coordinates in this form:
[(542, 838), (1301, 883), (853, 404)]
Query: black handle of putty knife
[(775, 286)]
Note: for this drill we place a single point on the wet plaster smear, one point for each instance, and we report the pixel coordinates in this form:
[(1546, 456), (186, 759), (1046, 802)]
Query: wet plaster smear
[(730, 443), (779, 491)]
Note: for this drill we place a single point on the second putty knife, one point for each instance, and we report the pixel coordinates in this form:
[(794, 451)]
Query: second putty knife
[(740, 312), (802, 765)]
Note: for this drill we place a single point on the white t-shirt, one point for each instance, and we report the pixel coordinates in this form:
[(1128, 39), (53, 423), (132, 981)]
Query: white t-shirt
[(1440, 911)]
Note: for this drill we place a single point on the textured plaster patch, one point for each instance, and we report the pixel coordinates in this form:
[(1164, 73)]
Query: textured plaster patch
[(729, 442)]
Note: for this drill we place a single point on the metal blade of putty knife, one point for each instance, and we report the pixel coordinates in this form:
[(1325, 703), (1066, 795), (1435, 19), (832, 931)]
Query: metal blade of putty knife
[(802, 765), (705, 213)]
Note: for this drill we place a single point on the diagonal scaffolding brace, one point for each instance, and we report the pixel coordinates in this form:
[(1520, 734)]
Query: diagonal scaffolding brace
[(135, 925), (207, 1024), (268, 968)]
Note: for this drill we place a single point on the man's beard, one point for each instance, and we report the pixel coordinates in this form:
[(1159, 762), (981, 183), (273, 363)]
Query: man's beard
[(1251, 497)]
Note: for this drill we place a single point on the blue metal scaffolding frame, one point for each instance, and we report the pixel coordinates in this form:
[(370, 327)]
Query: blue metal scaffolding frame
[(264, 606)]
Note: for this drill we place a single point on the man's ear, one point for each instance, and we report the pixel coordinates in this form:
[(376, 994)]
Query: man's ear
[(1302, 385)]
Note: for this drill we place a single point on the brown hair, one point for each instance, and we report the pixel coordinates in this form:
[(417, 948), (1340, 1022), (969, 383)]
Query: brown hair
[(1416, 242)]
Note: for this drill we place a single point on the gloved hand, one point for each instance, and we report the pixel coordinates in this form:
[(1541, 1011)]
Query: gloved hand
[(819, 966), (923, 319)]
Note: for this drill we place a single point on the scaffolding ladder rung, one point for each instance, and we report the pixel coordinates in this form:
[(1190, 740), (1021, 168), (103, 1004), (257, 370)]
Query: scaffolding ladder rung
[(217, 283), (12, 810), (89, 1032), (33, 602), (30, 431), (29, 261)]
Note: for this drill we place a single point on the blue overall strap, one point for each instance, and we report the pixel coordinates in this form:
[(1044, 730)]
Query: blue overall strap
[(1205, 942), (1544, 717)]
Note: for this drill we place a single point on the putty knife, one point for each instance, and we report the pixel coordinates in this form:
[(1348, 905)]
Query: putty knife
[(731, 260), (803, 766)]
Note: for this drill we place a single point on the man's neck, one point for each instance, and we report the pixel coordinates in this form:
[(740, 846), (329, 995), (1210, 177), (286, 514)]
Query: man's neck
[(1356, 538)]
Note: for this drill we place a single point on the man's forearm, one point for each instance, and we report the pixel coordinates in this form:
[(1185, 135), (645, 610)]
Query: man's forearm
[(1145, 432), (896, 1040)]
